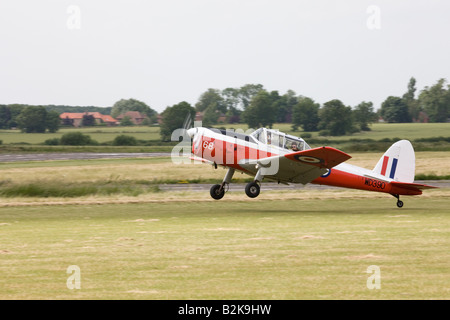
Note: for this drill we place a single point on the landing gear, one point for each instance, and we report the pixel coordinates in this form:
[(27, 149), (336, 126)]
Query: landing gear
[(252, 189), (399, 202), (217, 191)]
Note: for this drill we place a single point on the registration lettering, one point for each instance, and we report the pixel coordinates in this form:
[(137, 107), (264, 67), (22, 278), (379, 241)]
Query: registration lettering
[(374, 183)]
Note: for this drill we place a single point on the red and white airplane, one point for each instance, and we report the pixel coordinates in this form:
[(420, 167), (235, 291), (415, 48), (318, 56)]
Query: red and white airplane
[(273, 155)]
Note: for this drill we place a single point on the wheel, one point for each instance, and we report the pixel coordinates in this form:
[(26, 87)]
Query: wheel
[(252, 189), (399, 203), (216, 193)]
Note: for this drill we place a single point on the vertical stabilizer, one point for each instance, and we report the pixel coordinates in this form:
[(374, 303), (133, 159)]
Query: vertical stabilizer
[(398, 162)]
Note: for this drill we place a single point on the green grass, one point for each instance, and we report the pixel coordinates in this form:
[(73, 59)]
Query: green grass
[(411, 131), (314, 249), (100, 134), (378, 131)]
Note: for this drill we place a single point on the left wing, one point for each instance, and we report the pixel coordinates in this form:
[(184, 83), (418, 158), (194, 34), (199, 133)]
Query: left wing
[(298, 167)]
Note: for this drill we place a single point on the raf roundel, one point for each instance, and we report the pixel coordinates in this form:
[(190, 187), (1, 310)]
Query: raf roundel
[(308, 159)]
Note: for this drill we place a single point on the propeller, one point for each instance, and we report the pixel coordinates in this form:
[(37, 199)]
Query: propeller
[(187, 121), (187, 126)]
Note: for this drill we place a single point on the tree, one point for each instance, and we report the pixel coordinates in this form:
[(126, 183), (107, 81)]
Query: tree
[(88, 120), (173, 118), (247, 92), (305, 114), (211, 99), (32, 119), (435, 101), (126, 121), (410, 100), (335, 118), (5, 117), (15, 110), (122, 106), (212, 104), (364, 115), (53, 122), (261, 111), (285, 105), (395, 110)]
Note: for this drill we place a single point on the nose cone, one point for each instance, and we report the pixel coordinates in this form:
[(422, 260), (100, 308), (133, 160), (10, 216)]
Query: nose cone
[(191, 132)]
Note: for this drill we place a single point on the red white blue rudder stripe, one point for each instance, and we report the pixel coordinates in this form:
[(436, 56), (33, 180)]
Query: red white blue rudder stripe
[(398, 162)]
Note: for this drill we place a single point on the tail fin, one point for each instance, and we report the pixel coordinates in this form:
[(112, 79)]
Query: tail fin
[(398, 162)]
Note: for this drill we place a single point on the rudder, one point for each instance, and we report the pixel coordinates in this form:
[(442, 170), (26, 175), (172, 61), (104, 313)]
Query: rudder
[(398, 162)]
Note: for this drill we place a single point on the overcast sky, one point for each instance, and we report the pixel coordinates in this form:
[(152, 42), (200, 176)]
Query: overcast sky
[(95, 52)]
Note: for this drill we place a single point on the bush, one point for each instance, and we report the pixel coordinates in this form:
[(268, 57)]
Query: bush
[(306, 135), (124, 140), (52, 142), (77, 139)]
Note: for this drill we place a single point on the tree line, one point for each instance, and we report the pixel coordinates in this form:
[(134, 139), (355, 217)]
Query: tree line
[(257, 107), (43, 118)]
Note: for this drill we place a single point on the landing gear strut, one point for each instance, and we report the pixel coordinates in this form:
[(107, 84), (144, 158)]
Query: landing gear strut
[(399, 202)]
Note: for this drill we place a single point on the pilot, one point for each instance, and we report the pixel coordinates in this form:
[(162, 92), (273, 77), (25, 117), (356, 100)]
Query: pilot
[(294, 146)]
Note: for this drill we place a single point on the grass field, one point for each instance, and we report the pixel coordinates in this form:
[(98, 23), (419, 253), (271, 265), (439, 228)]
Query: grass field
[(311, 244), (232, 249), (379, 131), (100, 134)]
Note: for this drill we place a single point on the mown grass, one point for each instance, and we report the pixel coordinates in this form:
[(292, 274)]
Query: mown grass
[(46, 189), (264, 249)]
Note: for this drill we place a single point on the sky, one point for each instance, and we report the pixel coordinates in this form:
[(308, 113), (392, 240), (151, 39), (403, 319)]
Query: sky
[(96, 52)]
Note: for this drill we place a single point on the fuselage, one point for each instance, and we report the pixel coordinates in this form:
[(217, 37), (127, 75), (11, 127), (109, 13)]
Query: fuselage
[(231, 149)]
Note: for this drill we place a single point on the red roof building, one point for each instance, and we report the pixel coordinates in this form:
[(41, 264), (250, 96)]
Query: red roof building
[(76, 118)]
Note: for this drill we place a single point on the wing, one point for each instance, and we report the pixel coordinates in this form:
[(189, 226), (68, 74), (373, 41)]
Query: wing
[(297, 167)]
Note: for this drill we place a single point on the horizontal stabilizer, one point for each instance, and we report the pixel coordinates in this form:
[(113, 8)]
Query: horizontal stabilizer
[(411, 186)]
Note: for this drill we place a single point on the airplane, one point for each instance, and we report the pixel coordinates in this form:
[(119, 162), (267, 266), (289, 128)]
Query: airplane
[(277, 156)]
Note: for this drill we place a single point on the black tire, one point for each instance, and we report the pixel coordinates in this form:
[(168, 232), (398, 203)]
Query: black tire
[(216, 193), (252, 189), (399, 203)]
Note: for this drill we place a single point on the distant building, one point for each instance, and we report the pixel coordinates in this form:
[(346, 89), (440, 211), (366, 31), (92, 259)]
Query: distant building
[(76, 118), (135, 116)]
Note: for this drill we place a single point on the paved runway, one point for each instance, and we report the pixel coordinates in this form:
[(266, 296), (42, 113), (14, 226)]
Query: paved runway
[(75, 156)]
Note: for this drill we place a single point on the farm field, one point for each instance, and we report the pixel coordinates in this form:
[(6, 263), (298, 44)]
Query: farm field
[(379, 131), (100, 134)]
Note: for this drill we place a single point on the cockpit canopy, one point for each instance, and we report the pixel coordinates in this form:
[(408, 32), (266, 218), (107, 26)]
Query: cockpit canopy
[(279, 139)]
